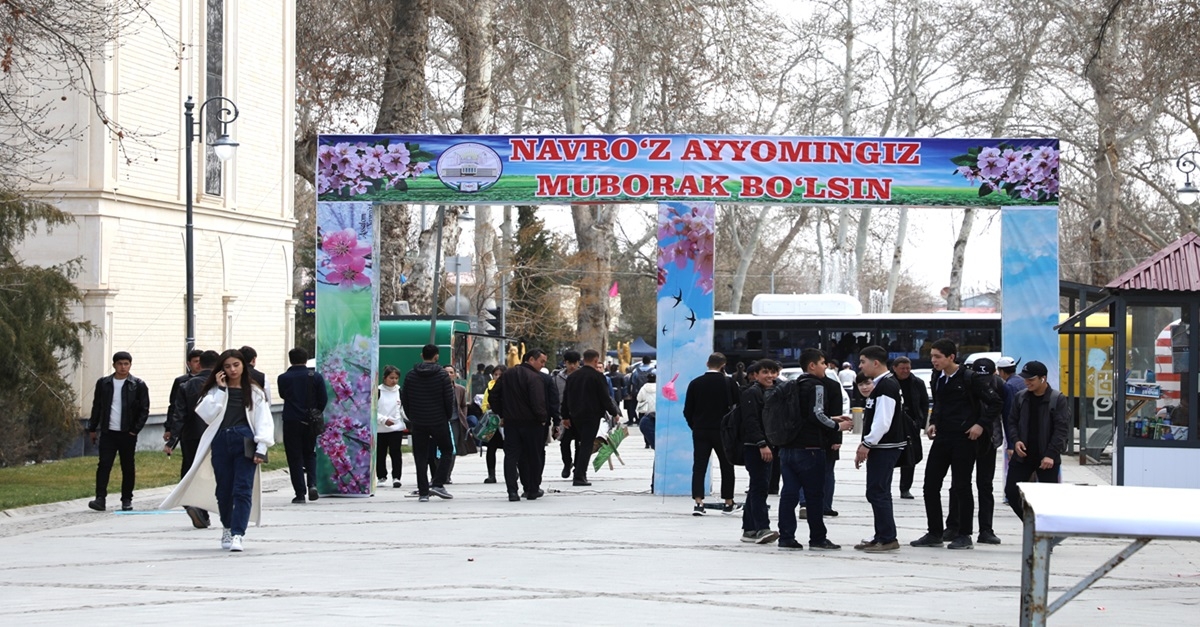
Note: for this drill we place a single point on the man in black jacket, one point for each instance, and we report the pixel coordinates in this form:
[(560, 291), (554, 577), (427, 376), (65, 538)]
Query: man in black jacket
[(985, 459), (916, 409), (428, 401), (964, 409), (120, 407), (301, 390), (756, 451), (585, 402), (802, 460), (520, 399), (187, 428), (1038, 428), (709, 397)]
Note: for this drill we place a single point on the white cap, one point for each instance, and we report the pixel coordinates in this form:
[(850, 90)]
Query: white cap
[(1006, 362)]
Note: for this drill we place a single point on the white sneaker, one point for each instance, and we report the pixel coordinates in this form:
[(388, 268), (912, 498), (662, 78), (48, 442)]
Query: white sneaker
[(382, 483), (226, 539), (236, 544)]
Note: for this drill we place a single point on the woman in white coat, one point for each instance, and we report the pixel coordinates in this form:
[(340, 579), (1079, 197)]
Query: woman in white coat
[(390, 433), (237, 413)]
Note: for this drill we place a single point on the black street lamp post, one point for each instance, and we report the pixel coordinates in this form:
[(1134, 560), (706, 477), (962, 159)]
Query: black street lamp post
[(224, 148), (1186, 163)]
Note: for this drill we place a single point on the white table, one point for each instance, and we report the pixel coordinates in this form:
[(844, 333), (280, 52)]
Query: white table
[(1054, 512)]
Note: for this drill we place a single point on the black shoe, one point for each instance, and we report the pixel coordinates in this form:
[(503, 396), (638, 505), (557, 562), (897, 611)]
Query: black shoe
[(790, 544), (905, 494), (299, 500), (312, 492), (490, 480), (960, 543), (97, 504), (395, 483), (583, 483), (514, 497), (831, 513), (127, 506), (949, 535), (987, 537), (566, 473), (698, 510), (439, 492), (198, 516), (824, 545), (731, 508), (929, 539), (533, 497)]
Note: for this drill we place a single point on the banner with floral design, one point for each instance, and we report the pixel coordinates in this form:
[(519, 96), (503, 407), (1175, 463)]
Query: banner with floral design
[(347, 345), (686, 239), (560, 169)]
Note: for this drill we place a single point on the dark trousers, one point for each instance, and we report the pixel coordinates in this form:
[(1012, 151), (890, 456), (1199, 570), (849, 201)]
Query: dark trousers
[(803, 470), (907, 474), (493, 445), (424, 440), (881, 462), (521, 457), (985, 472), (301, 451), (776, 475), (646, 426), (830, 460), (584, 436), (630, 406), (234, 473), (112, 444), (956, 455), (565, 442), (1019, 471), (704, 442), (754, 515), (388, 447)]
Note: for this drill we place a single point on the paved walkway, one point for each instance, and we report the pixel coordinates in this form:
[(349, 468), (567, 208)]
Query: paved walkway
[(611, 554)]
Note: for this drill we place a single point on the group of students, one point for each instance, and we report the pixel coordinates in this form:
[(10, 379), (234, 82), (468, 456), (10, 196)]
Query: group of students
[(974, 411)]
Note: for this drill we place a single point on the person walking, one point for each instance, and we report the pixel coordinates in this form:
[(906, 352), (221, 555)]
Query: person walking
[(647, 403), (428, 400), (170, 440), (881, 447), (566, 438), (189, 428), (232, 450), (709, 397), (303, 393), (586, 401), (390, 429), (520, 398), (1038, 428), (120, 408), (496, 442), (756, 451), (964, 408), (916, 411), (985, 457)]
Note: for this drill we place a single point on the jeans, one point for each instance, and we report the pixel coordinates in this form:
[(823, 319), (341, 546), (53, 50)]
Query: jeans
[(881, 462), (1019, 470), (424, 440), (803, 469), (113, 443), (521, 457), (830, 460), (388, 447), (704, 442), (956, 455), (646, 425), (234, 473), (754, 515), (985, 472), (584, 436)]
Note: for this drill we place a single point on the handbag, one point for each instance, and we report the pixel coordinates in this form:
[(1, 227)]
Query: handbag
[(487, 427), (251, 449)]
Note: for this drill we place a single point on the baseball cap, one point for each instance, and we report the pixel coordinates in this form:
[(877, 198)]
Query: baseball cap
[(1006, 362), (1034, 369), (983, 365)]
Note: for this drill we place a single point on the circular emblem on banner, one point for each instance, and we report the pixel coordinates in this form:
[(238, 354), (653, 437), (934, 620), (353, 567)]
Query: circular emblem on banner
[(469, 167)]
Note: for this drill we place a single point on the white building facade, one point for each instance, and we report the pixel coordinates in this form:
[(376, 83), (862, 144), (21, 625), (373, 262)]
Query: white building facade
[(128, 197)]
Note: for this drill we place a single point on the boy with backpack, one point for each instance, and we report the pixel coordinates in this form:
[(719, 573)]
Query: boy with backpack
[(756, 451), (796, 417)]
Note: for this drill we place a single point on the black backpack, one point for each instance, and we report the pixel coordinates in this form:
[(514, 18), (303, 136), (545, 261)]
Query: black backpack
[(781, 412), (731, 431)]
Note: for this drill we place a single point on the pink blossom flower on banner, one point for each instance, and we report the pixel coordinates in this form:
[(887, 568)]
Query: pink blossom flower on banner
[(343, 247), (991, 162)]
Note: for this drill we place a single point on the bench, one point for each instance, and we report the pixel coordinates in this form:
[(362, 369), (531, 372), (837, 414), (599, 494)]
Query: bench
[(1054, 512)]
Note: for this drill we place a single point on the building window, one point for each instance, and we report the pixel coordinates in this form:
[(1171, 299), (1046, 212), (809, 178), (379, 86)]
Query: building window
[(214, 71)]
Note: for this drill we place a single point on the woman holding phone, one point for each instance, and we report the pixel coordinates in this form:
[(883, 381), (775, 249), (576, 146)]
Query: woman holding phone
[(240, 430)]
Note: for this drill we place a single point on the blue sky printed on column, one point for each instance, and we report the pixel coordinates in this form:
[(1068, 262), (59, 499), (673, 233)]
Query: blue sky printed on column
[(684, 333), (1029, 282)]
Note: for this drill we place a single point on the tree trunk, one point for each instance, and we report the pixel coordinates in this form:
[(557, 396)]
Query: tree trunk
[(897, 256), (954, 298), (1105, 243), (594, 232), (400, 106), (745, 257)]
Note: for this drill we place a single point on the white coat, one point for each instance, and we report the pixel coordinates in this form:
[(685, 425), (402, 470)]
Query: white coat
[(199, 486)]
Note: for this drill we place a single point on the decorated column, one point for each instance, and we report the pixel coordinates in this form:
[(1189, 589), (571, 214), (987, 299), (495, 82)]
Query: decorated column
[(1029, 284), (686, 239)]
